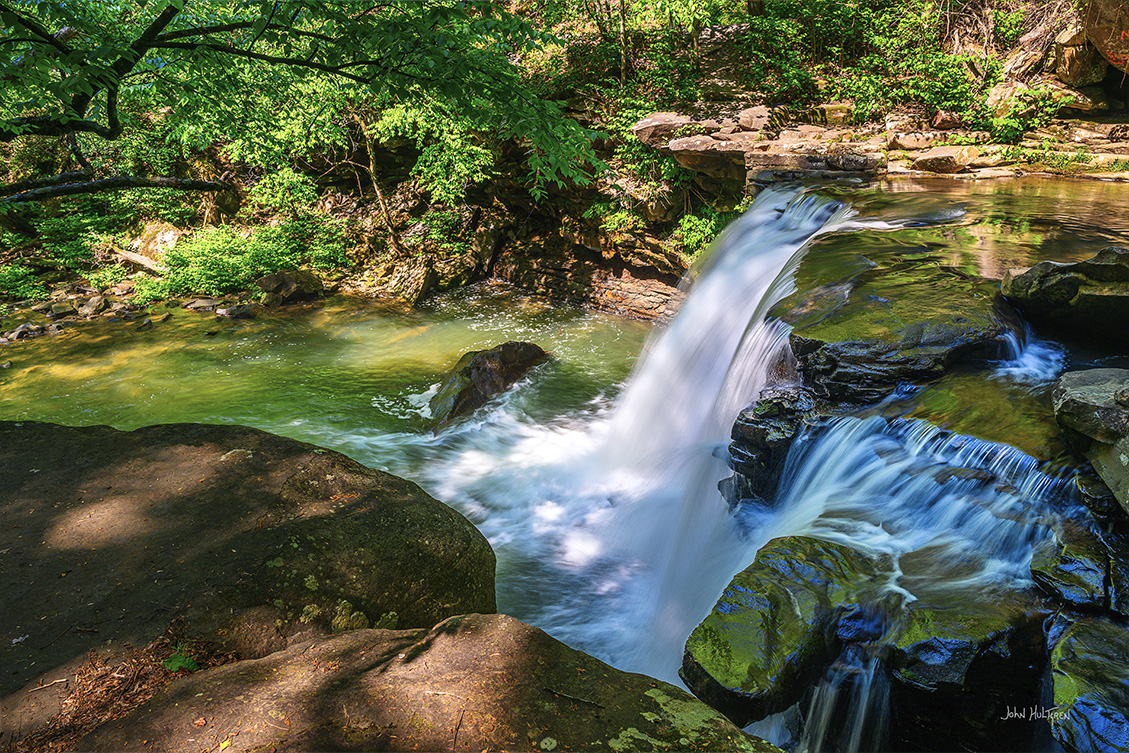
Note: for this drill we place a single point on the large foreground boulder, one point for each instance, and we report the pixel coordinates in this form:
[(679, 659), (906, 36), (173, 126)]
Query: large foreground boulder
[(1086, 298), (481, 374), (1093, 405), (472, 683), (243, 537)]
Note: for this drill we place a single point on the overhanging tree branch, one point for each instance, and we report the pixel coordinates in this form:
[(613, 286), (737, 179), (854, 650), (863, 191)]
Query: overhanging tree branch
[(28, 185), (113, 184)]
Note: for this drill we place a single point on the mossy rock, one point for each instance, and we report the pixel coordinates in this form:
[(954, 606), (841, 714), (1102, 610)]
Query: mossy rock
[(773, 629), (481, 374), (861, 336)]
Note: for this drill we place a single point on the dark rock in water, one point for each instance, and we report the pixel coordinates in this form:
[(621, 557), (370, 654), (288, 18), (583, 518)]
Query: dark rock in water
[(762, 436), (481, 374), (479, 682), (288, 287), (249, 538), (242, 311), (1095, 495), (773, 630), (887, 325), (202, 304), (1090, 670), (24, 331), (6, 365), (958, 667), (167, 317), (1083, 297), (94, 305), (146, 324), (1085, 404), (1074, 567)]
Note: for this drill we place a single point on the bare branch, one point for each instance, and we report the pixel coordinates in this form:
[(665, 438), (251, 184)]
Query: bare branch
[(27, 185)]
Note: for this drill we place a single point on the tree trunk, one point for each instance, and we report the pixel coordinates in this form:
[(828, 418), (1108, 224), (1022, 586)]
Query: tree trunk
[(755, 7), (623, 42), (384, 213)]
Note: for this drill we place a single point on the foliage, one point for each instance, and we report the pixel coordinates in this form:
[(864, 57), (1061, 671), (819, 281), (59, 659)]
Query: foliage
[(443, 227), (283, 191), (777, 65), (107, 276), (635, 157), (452, 155), (19, 282), (1007, 27), (180, 659), (244, 73), (695, 232), (1028, 109), (223, 260)]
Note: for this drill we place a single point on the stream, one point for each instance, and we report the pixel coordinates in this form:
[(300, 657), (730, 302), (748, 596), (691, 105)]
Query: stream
[(595, 479)]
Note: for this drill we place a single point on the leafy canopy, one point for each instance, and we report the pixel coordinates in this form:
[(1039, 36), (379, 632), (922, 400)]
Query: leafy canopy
[(233, 72)]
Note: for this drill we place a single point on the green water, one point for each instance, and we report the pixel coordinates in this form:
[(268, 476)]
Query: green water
[(320, 373)]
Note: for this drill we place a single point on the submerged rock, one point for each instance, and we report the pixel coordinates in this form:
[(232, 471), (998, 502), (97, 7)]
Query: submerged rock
[(1086, 404), (891, 324), (773, 629), (1084, 296), (477, 682), (1091, 687), (481, 374)]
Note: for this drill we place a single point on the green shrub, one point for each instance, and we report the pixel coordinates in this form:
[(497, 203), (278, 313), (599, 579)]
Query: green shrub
[(147, 289), (106, 277), (222, 260), (19, 282)]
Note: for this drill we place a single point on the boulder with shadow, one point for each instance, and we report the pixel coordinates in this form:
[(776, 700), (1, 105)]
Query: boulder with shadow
[(479, 375), (245, 538), (471, 683)]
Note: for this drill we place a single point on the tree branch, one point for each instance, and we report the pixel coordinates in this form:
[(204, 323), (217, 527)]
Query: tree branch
[(34, 27), (296, 62), (113, 184), (52, 125), (27, 185)]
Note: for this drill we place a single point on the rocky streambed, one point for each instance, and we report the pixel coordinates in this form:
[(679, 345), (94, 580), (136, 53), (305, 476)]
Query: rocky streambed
[(899, 583)]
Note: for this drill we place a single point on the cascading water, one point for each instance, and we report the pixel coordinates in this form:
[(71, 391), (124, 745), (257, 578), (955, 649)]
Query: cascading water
[(611, 533), (958, 518)]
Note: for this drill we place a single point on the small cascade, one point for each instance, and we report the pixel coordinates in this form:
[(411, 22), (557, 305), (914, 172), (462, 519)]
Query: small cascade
[(1028, 359), (957, 517)]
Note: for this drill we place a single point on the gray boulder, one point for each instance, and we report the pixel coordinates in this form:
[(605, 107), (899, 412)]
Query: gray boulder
[(1084, 297), (1089, 404)]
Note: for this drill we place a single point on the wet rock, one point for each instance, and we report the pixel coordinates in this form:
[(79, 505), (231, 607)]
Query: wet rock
[(1091, 687), (43, 308), (946, 159), (1083, 296), (25, 331), (1095, 495), (146, 324), (773, 629), (890, 324), (958, 665), (291, 286), (202, 304), (762, 436), (481, 374), (1073, 567), (1084, 403), (242, 311), (490, 683), (249, 538)]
